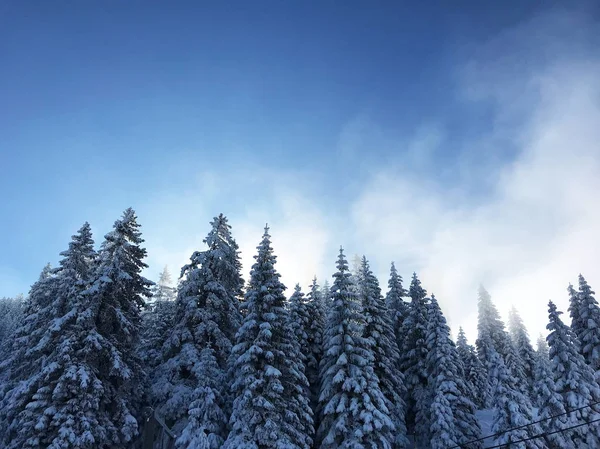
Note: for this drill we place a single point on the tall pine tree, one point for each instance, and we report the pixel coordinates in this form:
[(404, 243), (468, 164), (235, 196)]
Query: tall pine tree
[(315, 331), (206, 318), (552, 412), (378, 328), (512, 409), (413, 362), (396, 304), (574, 380), (452, 411), (522, 344), (157, 322), (270, 409), (474, 372), (51, 411), (587, 328), (353, 409)]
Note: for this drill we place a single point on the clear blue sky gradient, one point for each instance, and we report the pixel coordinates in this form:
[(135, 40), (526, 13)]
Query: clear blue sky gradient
[(97, 96)]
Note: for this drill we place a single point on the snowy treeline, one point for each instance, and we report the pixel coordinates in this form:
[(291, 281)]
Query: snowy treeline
[(235, 365)]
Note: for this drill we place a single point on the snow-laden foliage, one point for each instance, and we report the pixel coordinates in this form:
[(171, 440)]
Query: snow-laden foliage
[(38, 312), (573, 380), (326, 295), (512, 409), (587, 327), (316, 328), (492, 337), (551, 405), (87, 392), (396, 304), (226, 263), (542, 350), (452, 412), (11, 313), (378, 328), (413, 354), (490, 328), (353, 410), (522, 344), (206, 317), (299, 324), (475, 374), (39, 412), (271, 408), (299, 321), (206, 420), (157, 322), (516, 366)]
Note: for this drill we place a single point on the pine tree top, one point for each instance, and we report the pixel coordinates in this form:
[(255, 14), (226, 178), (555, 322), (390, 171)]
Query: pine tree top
[(416, 291)]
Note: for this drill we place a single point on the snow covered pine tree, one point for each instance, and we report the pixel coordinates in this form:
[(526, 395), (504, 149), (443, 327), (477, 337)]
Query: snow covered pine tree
[(353, 410), (452, 411), (39, 408), (196, 355), (574, 381), (587, 324), (378, 328), (270, 409), (413, 363)]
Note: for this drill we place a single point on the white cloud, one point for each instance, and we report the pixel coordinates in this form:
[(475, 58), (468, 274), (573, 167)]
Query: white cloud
[(539, 226), (176, 224), (532, 230)]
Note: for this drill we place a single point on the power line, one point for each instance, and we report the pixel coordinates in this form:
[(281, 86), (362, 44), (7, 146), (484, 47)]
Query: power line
[(465, 445), (542, 435)]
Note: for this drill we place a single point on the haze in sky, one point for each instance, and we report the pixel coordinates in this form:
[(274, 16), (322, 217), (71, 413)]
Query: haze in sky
[(460, 141)]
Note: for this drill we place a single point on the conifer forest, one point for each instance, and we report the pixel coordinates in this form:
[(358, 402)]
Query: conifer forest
[(98, 356)]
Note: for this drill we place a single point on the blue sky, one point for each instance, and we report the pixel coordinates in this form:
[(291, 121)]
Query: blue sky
[(308, 115)]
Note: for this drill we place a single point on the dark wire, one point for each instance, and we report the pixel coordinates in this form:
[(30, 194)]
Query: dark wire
[(542, 435), (465, 445)]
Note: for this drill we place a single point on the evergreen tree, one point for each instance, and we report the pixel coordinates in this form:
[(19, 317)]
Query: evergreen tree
[(520, 339), (108, 327), (270, 407), (491, 332), (574, 380), (315, 331), (413, 362), (577, 324), (542, 349), (86, 394), (452, 412), (550, 404), (39, 413), (353, 409), (226, 263), (588, 332), (157, 322), (479, 377), (206, 419), (326, 295), (474, 372), (492, 337), (512, 409), (299, 320), (378, 328), (516, 367), (299, 323), (462, 347), (38, 309), (396, 304), (163, 290), (11, 312), (206, 318)]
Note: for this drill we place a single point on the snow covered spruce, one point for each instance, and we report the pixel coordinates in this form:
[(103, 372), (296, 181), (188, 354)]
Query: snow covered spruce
[(97, 356)]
